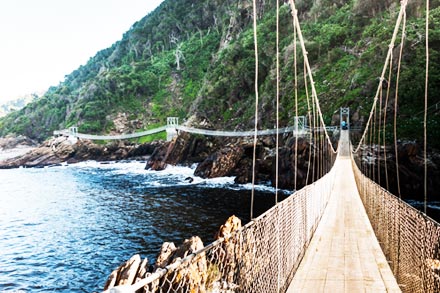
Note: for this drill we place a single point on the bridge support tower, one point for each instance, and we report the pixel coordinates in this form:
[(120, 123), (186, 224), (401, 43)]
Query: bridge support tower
[(172, 123), (73, 134), (345, 116)]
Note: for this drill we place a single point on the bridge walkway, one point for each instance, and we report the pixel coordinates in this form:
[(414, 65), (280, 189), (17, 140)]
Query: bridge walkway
[(344, 254)]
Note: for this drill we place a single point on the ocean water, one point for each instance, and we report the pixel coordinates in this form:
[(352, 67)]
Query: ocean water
[(64, 229)]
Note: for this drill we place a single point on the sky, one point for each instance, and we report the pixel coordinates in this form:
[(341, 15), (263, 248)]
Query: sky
[(42, 41)]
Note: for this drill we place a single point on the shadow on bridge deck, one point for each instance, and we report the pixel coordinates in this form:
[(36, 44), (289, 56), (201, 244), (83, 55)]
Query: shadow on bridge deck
[(344, 254)]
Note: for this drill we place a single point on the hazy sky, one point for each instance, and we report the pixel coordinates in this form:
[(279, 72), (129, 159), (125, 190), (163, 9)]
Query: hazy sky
[(41, 41)]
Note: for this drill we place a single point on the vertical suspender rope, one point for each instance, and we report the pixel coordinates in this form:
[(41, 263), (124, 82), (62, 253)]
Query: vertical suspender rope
[(425, 116), (278, 101), (396, 103), (385, 122), (320, 152), (370, 148), (314, 140), (254, 159), (379, 143), (296, 105), (310, 124), (373, 146), (277, 144)]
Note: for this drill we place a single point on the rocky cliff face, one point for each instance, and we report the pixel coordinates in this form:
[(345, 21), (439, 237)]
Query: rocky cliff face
[(217, 157)]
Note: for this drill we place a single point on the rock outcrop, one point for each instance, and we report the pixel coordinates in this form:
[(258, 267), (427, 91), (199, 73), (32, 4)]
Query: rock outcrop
[(184, 149), (196, 275), (192, 276), (62, 149), (221, 163), (127, 273), (229, 248), (165, 255)]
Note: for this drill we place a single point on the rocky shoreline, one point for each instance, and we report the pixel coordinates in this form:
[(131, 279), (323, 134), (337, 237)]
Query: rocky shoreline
[(61, 150), (215, 157), (219, 156)]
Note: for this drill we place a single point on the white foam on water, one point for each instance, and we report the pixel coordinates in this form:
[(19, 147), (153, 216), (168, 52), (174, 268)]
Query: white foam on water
[(170, 177)]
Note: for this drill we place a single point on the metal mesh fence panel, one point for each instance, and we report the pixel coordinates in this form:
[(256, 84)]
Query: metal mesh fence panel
[(409, 238)]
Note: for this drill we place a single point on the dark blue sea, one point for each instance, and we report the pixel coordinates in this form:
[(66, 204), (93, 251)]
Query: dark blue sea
[(64, 229)]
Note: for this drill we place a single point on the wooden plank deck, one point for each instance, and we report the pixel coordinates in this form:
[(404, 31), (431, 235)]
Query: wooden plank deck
[(344, 254)]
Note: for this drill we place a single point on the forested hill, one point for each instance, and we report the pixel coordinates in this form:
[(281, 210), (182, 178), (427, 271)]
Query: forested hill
[(196, 59)]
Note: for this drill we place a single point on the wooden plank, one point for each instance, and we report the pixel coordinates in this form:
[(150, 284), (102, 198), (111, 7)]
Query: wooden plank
[(344, 255)]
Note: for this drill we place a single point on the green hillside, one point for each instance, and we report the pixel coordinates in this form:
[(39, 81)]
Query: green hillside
[(196, 58)]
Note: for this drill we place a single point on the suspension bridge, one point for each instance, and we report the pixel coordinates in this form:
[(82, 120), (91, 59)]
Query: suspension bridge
[(299, 128), (342, 232)]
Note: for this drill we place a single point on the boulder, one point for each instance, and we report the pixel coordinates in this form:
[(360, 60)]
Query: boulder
[(165, 255), (157, 161), (112, 279), (192, 276), (143, 270), (125, 274), (128, 271), (231, 225)]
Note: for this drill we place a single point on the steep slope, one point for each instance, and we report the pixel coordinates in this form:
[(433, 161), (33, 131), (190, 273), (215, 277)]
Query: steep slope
[(138, 75), (195, 58)]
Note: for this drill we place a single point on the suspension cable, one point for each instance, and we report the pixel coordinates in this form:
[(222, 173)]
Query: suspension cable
[(254, 159)]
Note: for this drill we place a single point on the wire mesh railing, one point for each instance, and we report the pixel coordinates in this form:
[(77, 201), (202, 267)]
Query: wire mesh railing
[(409, 239), (260, 257)]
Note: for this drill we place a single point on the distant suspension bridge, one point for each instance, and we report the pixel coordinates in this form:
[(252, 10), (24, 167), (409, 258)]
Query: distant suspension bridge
[(300, 128)]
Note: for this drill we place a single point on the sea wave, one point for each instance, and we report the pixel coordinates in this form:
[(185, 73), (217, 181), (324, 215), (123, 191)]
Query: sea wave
[(171, 176)]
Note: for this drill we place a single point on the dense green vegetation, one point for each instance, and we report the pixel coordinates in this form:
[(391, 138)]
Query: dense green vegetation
[(197, 59)]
